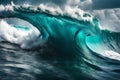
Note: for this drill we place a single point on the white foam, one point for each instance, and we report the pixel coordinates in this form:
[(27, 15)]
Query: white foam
[(25, 38), (73, 12), (6, 8), (103, 50), (111, 54)]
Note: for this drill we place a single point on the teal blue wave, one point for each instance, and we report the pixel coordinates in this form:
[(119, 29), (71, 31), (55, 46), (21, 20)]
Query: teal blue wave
[(78, 43)]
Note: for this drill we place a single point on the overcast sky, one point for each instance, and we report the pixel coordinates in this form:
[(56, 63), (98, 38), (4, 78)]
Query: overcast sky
[(95, 4), (107, 11)]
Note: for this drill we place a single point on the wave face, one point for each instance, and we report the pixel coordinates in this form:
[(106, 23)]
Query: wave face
[(81, 49)]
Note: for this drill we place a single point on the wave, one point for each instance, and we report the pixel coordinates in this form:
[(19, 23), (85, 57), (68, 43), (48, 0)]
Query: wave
[(74, 34), (22, 35)]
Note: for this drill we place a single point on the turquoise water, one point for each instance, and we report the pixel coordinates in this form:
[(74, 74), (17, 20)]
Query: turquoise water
[(79, 46), (22, 28)]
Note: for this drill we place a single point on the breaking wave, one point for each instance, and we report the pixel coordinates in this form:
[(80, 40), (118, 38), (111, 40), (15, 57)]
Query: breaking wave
[(83, 50)]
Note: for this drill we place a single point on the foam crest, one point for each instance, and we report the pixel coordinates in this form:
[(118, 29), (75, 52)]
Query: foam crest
[(73, 12), (19, 35), (6, 8)]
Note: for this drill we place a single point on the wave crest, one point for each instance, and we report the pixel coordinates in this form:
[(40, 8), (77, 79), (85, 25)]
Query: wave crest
[(73, 12)]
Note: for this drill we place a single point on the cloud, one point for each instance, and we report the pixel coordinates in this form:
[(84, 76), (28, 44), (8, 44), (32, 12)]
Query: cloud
[(109, 18), (72, 2), (106, 4), (86, 4), (98, 4), (94, 4)]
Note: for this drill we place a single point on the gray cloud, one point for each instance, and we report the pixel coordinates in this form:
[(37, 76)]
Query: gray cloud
[(84, 4), (109, 18), (101, 4), (34, 2)]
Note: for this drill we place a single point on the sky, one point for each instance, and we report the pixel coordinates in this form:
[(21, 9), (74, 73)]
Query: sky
[(94, 4), (107, 11)]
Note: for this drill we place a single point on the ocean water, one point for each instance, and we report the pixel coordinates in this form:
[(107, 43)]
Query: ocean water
[(61, 46)]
